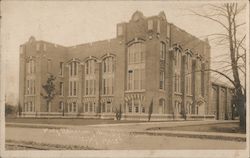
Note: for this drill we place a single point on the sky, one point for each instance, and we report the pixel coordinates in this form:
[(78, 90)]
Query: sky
[(75, 22)]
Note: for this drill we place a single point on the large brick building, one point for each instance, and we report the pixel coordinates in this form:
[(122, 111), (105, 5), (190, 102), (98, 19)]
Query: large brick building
[(151, 63)]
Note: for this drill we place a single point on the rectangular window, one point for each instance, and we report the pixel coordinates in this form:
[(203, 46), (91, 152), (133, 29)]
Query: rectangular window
[(75, 88), (70, 88), (162, 51), (75, 68), (90, 87), (162, 80), (130, 108), (71, 69), (136, 79), (108, 107), (61, 89), (27, 86), (74, 107), (142, 79), (86, 87), (34, 87), (61, 106), (61, 69), (90, 107), (130, 74), (143, 109)]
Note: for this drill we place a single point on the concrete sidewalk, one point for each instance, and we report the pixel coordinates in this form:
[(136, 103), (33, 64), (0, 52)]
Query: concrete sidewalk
[(192, 134)]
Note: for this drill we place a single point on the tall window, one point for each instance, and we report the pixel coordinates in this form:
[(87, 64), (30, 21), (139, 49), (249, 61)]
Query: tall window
[(61, 106), (90, 79), (136, 67), (162, 51), (108, 76), (188, 75), (73, 68), (189, 108), (61, 89), (30, 87), (30, 67), (177, 70), (73, 86), (162, 80), (61, 68), (72, 107), (178, 107)]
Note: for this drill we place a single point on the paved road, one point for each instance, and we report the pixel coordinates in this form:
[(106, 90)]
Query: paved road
[(116, 137)]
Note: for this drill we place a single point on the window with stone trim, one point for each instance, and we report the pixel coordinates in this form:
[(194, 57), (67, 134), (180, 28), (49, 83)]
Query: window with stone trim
[(188, 74), (108, 69), (61, 105), (61, 68), (178, 107), (72, 107), (177, 70), (188, 108), (61, 90), (30, 66), (73, 68), (162, 50), (162, 80), (90, 77), (73, 87), (136, 67)]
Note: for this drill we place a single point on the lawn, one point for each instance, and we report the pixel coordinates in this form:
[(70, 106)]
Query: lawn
[(218, 127), (66, 121)]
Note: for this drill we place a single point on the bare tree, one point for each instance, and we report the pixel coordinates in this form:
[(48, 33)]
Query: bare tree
[(227, 15)]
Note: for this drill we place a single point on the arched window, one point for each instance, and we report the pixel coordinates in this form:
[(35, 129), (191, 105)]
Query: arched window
[(30, 66), (73, 78), (161, 106), (178, 107), (73, 68), (162, 51), (188, 76), (136, 67), (189, 108), (177, 70), (108, 76), (90, 77)]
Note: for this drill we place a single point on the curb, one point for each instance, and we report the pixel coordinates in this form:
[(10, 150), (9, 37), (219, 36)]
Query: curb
[(190, 135)]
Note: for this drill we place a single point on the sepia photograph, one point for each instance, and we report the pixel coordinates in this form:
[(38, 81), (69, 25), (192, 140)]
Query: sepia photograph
[(124, 79)]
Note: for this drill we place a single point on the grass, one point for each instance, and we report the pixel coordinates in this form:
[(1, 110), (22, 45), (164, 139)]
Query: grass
[(218, 127), (66, 121)]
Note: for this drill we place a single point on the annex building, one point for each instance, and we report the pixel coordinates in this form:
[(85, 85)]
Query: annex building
[(151, 64)]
